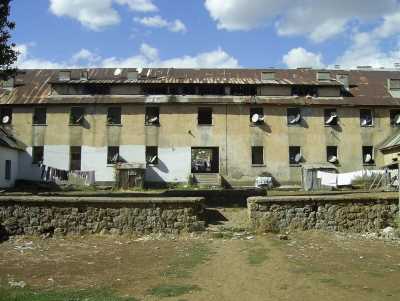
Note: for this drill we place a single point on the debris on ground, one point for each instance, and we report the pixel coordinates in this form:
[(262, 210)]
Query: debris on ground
[(16, 284)]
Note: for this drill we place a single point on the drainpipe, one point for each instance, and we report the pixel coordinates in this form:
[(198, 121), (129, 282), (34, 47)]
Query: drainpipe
[(226, 139)]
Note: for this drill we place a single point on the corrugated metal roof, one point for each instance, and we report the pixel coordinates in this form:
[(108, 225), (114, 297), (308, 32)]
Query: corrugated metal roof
[(366, 87)]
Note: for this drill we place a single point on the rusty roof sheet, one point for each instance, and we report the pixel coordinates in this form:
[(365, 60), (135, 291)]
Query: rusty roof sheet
[(367, 87)]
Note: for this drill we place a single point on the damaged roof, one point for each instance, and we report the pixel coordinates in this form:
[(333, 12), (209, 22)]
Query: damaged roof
[(367, 87)]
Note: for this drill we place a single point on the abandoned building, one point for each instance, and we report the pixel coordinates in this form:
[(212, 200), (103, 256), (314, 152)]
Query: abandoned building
[(202, 124)]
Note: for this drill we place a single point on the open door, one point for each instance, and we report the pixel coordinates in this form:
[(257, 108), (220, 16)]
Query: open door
[(205, 160)]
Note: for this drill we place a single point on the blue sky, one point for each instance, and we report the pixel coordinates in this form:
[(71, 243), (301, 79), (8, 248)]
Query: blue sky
[(209, 33)]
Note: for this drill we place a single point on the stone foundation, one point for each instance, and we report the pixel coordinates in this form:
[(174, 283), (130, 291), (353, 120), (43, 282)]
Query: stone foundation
[(333, 213), (68, 215)]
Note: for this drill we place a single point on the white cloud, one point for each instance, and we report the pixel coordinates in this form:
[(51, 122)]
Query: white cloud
[(159, 22), (318, 20), (139, 5), (299, 57), (147, 57), (97, 14)]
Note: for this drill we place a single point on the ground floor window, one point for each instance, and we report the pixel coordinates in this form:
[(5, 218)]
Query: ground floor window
[(295, 156), (368, 155), (75, 157), (112, 154), (257, 155), (152, 155), (7, 174), (205, 160), (37, 154)]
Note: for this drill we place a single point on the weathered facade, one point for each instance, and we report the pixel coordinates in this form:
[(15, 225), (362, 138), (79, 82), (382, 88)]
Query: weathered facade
[(238, 124)]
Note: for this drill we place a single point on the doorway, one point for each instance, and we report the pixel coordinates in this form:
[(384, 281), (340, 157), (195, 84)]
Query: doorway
[(205, 160)]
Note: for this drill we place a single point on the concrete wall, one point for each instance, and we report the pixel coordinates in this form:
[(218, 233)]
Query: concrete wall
[(354, 213), (66, 215), (178, 131), (8, 154)]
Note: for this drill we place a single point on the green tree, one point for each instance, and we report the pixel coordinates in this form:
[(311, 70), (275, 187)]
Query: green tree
[(8, 54)]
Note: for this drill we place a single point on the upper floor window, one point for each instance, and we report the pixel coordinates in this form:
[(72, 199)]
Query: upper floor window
[(293, 116), (84, 75), (257, 155), (368, 155), (257, 115), (64, 75), (39, 116), (267, 75), (394, 84), (132, 75), (204, 116), (295, 156), (211, 89), (395, 118), (96, 89), (5, 115), (37, 154), (152, 116), (77, 116), (366, 118), (304, 90), (332, 154), (323, 76), (114, 116), (330, 117)]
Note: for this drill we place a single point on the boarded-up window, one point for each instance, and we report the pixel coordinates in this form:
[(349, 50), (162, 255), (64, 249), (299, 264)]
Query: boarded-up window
[(394, 84), (368, 155), (257, 155), (152, 155), (75, 157), (204, 116), (293, 116), (295, 156), (7, 172), (64, 75), (332, 154), (267, 75), (39, 116), (37, 154), (366, 118), (152, 116), (77, 116), (112, 154), (5, 116), (330, 117), (114, 115)]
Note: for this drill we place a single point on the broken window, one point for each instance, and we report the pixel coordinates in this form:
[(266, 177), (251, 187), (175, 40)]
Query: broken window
[(295, 156), (366, 118), (204, 116), (266, 76), (152, 116), (257, 155), (114, 116), (257, 115), (7, 172), (39, 116), (368, 155), (64, 75), (84, 75), (293, 116), (75, 158), (113, 155), (323, 76), (152, 155), (395, 118), (77, 116), (332, 154), (330, 117), (6, 116), (302, 90), (37, 154)]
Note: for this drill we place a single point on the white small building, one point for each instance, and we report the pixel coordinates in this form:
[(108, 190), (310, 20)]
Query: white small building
[(9, 154)]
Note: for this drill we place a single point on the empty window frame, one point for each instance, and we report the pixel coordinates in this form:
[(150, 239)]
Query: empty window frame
[(323, 76), (113, 154), (332, 154), (394, 84), (257, 115), (295, 156), (84, 75), (114, 116), (368, 155), (204, 116), (395, 118), (96, 89), (152, 155), (330, 117), (75, 155), (155, 89), (64, 75), (39, 116), (267, 75), (366, 118), (293, 116), (37, 154), (257, 155), (5, 116), (243, 90), (7, 171), (303, 90), (211, 89), (152, 116), (77, 116), (188, 90)]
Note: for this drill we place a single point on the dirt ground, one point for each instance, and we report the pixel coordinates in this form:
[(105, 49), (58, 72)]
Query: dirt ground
[(235, 266)]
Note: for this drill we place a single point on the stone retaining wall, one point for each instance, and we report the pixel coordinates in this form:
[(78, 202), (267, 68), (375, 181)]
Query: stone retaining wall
[(363, 213), (67, 215)]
